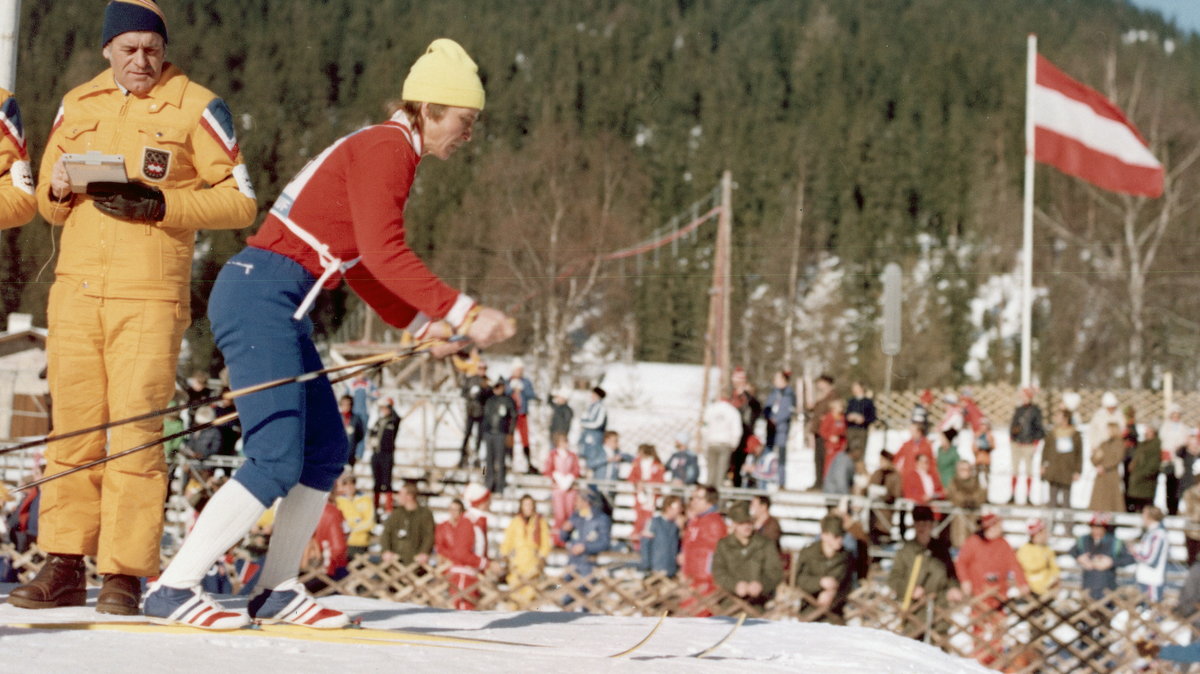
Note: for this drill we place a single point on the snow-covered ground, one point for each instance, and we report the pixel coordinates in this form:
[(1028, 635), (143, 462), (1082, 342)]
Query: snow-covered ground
[(559, 641)]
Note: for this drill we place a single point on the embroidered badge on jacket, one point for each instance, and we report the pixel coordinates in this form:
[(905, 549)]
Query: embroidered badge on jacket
[(156, 163)]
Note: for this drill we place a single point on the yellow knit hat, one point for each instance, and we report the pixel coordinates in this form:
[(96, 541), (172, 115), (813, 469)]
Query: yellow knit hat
[(444, 74)]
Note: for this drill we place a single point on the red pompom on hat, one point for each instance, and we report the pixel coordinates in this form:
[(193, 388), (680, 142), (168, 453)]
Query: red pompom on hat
[(988, 520), (1100, 519), (1035, 525)]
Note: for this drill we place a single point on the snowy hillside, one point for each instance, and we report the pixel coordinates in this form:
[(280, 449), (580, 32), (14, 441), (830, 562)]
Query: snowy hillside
[(465, 642)]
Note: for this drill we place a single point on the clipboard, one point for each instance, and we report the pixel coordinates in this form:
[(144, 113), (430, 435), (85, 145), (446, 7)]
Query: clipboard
[(94, 167)]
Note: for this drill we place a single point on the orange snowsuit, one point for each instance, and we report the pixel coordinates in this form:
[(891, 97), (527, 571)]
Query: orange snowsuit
[(120, 304)]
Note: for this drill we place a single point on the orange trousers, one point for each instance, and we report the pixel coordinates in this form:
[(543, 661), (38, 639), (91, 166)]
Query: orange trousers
[(108, 359)]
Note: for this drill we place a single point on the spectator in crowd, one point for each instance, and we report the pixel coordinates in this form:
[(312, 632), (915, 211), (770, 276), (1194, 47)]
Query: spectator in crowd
[(22, 520), (499, 419), (561, 414), (1108, 413), (987, 563), (916, 444), (920, 412), (475, 391), (589, 533), (860, 414), (683, 468), (985, 443), (967, 494), (1106, 457), (593, 423), (721, 431), (778, 411), (746, 564), (749, 410), (1130, 437), (1190, 458), (884, 486), (1062, 459), (660, 539), (934, 575), (947, 457), (196, 387), (832, 430), (1026, 430), (383, 451), (1143, 472), (987, 567), (327, 550), (1174, 436), (1039, 561), (765, 524), (840, 477), (705, 527), (364, 392), (478, 500), (563, 468), (953, 421), (358, 510), (231, 431), (817, 409), (607, 464), (520, 389), (526, 545), (1099, 554), (764, 470), (922, 484), (352, 424), (1151, 554), (855, 541), (1191, 529), (823, 569), (408, 532), (205, 442), (457, 548), (647, 471)]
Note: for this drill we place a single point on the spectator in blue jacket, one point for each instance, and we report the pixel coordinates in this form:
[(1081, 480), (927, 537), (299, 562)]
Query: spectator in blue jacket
[(780, 407), (589, 532), (593, 423), (1099, 553), (660, 539), (683, 468), (605, 463)]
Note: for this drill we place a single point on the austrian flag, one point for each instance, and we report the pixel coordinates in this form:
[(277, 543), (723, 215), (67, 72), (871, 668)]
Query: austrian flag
[(1081, 133)]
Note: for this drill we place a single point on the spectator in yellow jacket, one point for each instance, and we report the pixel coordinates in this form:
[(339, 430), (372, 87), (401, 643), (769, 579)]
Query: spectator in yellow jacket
[(358, 510), (526, 545), (1038, 560), (121, 298)]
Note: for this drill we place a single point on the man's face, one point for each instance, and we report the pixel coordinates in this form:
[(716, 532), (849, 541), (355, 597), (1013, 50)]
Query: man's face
[(831, 541), (755, 507), (993, 532), (924, 531), (744, 530), (455, 511), (674, 510), (345, 405), (443, 136), (697, 504), (137, 60)]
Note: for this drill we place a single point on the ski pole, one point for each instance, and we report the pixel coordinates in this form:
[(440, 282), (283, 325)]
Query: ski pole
[(219, 421), (381, 359)]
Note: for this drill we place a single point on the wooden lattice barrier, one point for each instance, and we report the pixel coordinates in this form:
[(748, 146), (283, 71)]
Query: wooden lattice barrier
[(997, 402), (1068, 631)]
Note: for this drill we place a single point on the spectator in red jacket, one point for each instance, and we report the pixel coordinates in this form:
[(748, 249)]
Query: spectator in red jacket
[(917, 444), (327, 549), (705, 528), (833, 432), (987, 564), (563, 468), (454, 541), (647, 470), (922, 483)]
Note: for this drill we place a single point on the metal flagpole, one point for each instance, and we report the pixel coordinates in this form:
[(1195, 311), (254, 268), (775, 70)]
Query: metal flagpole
[(1027, 247)]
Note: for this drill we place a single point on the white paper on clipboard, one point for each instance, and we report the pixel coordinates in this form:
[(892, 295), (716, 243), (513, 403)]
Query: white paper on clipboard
[(94, 167)]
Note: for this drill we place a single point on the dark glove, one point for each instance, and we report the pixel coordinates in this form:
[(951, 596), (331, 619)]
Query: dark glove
[(129, 201)]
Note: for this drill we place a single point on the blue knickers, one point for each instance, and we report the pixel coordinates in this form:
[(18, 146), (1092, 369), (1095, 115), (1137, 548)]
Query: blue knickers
[(292, 433)]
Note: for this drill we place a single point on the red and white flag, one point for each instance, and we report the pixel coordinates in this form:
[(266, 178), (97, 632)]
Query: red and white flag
[(1081, 133)]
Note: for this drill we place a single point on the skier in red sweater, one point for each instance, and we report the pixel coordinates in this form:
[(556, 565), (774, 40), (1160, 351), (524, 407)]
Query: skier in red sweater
[(705, 528)]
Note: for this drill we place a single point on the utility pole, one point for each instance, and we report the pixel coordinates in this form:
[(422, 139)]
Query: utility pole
[(716, 335), (789, 321), (10, 27)]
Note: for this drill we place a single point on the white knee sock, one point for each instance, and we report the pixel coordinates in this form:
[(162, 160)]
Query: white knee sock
[(225, 520), (295, 523)]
